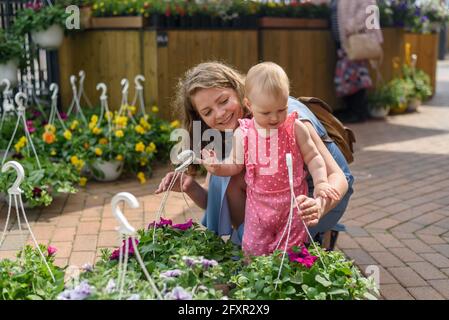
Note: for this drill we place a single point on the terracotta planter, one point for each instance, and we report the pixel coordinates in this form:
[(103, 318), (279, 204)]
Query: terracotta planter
[(414, 104), (292, 23), (119, 22), (107, 170), (50, 38), (9, 71)]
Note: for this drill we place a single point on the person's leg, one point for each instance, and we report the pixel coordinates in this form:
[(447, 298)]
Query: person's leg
[(236, 196), (358, 104)]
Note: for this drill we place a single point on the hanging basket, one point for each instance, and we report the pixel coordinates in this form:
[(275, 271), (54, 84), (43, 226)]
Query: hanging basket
[(107, 170), (5, 197), (9, 71), (50, 38)]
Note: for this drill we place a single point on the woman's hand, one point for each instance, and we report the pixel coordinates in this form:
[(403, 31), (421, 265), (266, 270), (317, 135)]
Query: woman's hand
[(311, 210), (187, 182)]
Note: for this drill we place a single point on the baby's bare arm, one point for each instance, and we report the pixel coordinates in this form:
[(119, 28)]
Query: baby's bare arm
[(312, 158), (232, 165)]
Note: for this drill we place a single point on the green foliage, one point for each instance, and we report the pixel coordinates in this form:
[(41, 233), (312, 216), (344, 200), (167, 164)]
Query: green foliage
[(419, 81), (337, 279), (39, 19), (27, 278), (11, 47)]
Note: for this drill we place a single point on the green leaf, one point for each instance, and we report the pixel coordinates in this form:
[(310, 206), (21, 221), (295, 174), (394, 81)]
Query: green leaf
[(34, 297), (325, 283)]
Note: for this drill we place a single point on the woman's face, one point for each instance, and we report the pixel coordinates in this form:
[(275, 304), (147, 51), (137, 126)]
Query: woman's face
[(220, 108)]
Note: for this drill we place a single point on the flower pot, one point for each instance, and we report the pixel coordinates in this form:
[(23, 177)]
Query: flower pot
[(379, 112), (50, 38), (86, 17), (9, 71), (401, 108), (107, 170), (414, 104)]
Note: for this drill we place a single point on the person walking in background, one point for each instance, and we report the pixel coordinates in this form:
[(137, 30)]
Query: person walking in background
[(352, 78)]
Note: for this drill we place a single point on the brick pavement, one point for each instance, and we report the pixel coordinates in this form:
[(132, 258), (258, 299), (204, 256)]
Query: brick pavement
[(398, 218)]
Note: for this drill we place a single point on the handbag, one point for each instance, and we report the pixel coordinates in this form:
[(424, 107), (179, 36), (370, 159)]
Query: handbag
[(361, 46)]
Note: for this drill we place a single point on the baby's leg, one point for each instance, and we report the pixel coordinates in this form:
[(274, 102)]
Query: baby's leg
[(236, 196)]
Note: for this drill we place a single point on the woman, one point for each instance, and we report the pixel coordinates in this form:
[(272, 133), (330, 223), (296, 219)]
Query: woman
[(352, 78), (212, 94)]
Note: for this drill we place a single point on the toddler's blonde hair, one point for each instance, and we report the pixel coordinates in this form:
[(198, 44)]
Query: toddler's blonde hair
[(269, 78)]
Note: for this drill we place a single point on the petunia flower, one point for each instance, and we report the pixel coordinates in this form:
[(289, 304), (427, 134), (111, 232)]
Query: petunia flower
[(116, 253), (179, 293), (171, 273), (134, 297), (163, 222), (80, 292), (208, 263), (37, 192), (189, 261), (303, 257), (51, 250), (183, 226), (111, 286)]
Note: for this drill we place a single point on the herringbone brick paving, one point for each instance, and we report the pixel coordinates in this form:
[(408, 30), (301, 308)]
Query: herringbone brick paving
[(398, 218)]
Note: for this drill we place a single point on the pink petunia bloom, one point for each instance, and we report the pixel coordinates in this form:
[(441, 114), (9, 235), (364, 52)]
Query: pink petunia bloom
[(303, 257), (183, 226), (116, 253), (51, 251), (163, 222)]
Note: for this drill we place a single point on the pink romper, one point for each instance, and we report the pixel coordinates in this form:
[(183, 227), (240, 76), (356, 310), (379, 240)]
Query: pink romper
[(268, 191)]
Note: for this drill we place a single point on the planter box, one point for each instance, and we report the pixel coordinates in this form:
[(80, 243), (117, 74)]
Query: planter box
[(292, 23), (119, 22)]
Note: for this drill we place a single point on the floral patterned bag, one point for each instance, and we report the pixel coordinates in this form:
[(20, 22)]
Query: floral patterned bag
[(351, 76)]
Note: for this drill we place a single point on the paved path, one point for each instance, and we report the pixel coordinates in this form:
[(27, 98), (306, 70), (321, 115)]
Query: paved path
[(398, 218)]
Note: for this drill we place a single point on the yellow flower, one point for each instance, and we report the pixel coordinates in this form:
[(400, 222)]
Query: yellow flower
[(83, 181), (53, 152), (95, 7), (133, 109), (121, 121), (408, 53), (94, 119), (20, 144), (68, 135), (74, 125), (141, 177), (139, 129), (92, 125), (140, 147), (175, 124), (155, 109), (103, 141), (119, 158), (144, 123), (119, 133), (163, 128), (77, 163), (98, 151), (151, 148), (96, 130), (50, 128), (143, 161), (109, 115)]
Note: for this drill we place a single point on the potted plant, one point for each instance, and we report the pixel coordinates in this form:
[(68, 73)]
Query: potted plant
[(421, 86), (400, 89), (380, 101), (45, 23), (11, 50)]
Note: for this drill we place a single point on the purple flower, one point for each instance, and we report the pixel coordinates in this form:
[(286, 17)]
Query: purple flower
[(51, 251), (189, 261), (87, 267), (80, 292), (36, 114), (37, 192), (183, 226), (179, 293), (171, 273), (163, 222), (63, 116), (34, 5), (208, 263), (116, 253), (303, 257), (424, 19)]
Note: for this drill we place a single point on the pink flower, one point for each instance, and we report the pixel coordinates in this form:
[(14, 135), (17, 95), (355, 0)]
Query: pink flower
[(30, 126), (183, 226), (51, 251), (163, 222), (116, 253), (303, 257)]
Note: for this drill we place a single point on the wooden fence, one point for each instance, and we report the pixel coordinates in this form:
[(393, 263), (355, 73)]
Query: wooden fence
[(308, 57)]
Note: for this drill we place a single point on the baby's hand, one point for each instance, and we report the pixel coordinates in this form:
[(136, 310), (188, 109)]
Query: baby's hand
[(325, 190), (210, 161)]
